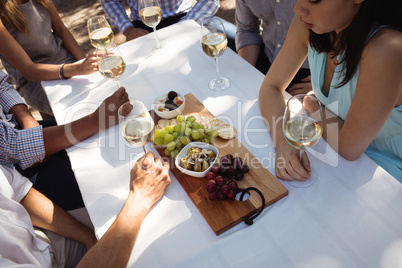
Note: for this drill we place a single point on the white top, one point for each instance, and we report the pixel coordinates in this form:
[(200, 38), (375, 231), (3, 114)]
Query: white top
[(18, 243), (351, 217)]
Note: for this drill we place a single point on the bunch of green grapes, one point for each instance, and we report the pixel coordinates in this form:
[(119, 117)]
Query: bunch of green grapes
[(174, 138)]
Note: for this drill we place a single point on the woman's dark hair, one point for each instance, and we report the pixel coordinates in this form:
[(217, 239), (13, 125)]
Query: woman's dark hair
[(353, 39)]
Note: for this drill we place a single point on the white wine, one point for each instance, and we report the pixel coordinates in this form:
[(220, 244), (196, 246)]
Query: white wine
[(214, 44), (136, 131), (302, 132), (102, 37), (112, 67), (151, 16)]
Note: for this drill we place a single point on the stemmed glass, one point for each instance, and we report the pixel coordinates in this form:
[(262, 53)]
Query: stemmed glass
[(151, 15), (135, 122), (111, 63), (302, 127), (214, 42), (100, 32)]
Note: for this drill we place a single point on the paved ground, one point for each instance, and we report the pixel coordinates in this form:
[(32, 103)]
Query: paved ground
[(75, 14)]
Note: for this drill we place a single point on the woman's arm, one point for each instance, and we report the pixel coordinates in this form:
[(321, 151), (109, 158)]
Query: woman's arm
[(272, 102), (61, 31), (378, 91), (17, 57)]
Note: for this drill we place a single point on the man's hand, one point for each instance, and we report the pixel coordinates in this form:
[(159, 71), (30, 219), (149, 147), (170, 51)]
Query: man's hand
[(132, 33), (149, 178), (301, 88), (107, 113)]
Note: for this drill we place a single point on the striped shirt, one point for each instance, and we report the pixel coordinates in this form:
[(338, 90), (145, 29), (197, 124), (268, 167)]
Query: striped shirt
[(119, 18), (24, 147)]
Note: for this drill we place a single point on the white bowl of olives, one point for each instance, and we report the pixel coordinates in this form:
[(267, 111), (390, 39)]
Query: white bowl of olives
[(196, 159)]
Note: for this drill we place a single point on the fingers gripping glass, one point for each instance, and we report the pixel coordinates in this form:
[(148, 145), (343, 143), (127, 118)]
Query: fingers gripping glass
[(302, 127)]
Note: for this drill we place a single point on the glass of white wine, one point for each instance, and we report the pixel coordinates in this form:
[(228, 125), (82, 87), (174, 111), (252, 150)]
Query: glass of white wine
[(111, 64), (214, 42), (151, 15), (136, 124), (302, 127), (100, 32)]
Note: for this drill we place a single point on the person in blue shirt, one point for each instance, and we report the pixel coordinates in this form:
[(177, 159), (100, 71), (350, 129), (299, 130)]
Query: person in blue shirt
[(354, 48), (38, 152), (172, 12)]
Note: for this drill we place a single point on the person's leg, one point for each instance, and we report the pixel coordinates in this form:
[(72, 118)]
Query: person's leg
[(55, 179), (263, 63), (164, 23), (230, 29)]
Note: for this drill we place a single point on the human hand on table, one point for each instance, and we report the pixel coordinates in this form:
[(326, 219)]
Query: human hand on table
[(301, 88), (88, 66), (289, 166), (149, 178), (132, 33), (107, 112)]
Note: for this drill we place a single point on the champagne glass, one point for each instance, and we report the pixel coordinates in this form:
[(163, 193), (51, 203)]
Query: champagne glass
[(135, 122), (151, 15), (111, 64), (100, 32), (214, 42), (302, 127)]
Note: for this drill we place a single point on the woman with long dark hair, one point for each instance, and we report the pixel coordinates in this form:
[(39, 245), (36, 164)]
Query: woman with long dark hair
[(36, 46), (354, 48)]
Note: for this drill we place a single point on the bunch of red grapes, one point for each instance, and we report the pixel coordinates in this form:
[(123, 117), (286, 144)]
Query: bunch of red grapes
[(222, 178)]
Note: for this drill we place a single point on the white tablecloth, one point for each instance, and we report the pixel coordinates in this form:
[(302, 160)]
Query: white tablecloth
[(351, 217)]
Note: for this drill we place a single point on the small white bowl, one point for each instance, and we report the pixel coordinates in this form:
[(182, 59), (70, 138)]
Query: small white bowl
[(183, 153), (168, 114)]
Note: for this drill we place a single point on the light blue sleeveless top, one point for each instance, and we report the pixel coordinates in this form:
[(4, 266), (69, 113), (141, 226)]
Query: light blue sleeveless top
[(386, 148)]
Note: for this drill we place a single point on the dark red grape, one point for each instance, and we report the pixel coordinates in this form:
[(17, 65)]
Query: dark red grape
[(230, 158), (225, 161), (210, 175), (231, 195), (219, 180), (223, 170), (239, 176), (245, 168), (237, 162), (213, 196), (231, 170), (221, 196), (233, 185), (215, 169), (211, 186), (225, 189)]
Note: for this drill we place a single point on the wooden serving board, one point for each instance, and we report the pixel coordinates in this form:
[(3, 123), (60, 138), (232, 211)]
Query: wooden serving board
[(223, 215)]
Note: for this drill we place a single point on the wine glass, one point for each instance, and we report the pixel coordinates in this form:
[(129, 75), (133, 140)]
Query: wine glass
[(151, 15), (135, 122), (111, 64), (100, 32), (302, 127), (214, 42)]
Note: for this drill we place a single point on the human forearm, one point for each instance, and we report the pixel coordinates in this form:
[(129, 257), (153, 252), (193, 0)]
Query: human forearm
[(61, 137), (46, 215), (57, 138), (250, 53), (115, 247), (23, 116)]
